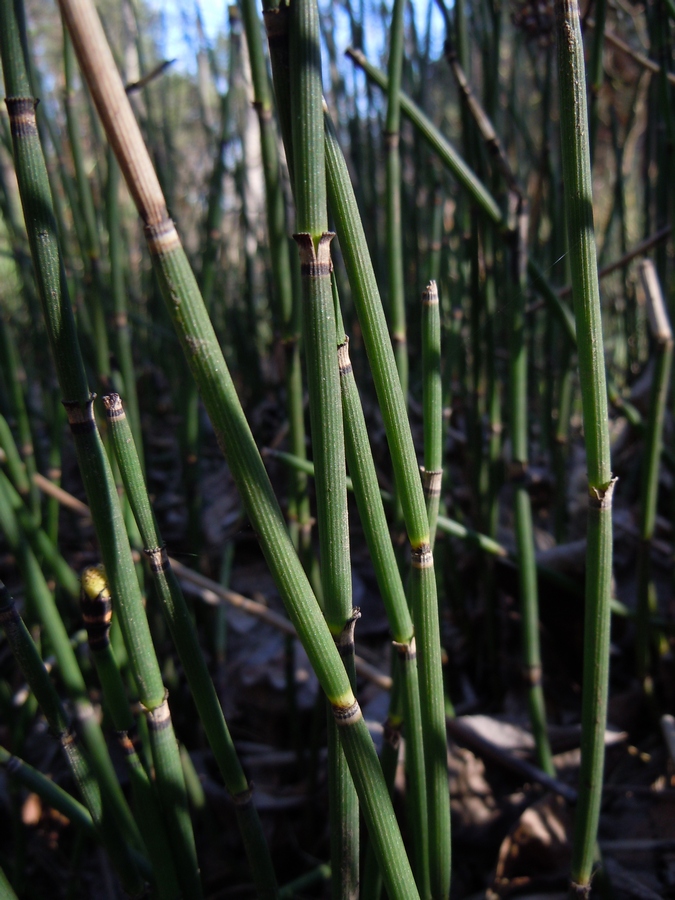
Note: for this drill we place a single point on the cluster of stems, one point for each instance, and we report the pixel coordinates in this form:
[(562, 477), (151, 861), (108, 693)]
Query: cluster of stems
[(491, 365)]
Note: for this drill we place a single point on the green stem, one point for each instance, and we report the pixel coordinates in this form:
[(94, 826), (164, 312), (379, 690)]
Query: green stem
[(96, 605), (393, 198), (320, 343), (663, 337), (432, 401), (529, 600), (581, 243), (409, 490), (204, 354), (124, 350), (28, 659), (187, 644), (374, 523), (94, 467)]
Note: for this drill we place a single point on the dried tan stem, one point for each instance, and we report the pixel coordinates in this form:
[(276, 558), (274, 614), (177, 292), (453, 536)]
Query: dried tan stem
[(107, 90)]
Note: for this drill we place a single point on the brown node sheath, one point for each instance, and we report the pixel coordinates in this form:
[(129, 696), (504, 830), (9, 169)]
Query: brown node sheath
[(421, 557), (406, 652), (347, 715), (81, 415), (159, 718), (97, 616), (601, 498), (158, 559), (517, 471), (532, 675), (431, 481), (125, 743), (21, 112), (276, 24), (114, 408), (314, 262), (344, 362), (345, 640), (430, 295), (392, 732), (162, 237), (243, 798)]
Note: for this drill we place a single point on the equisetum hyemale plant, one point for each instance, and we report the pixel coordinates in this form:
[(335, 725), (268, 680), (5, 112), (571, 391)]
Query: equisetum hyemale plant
[(423, 597), (94, 466), (414, 380), (576, 163), (185, 639), (208, 367), (663, 338), (529, 601), (97, 611), (320, 343), (26, 654)]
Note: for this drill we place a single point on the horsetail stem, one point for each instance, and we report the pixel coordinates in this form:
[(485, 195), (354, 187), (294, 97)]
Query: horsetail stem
[(393, 198), (94, 467), (25, 653), (663, 338), (97, 612), (432, 400), (210, 371), (529, 600), (374, 523), (409, 490), (320, 343), (581, 243), (184, 636)]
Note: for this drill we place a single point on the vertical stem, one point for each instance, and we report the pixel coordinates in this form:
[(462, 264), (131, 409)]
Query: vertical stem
[(663, 338), (432, 402), (94, 467), (124, 350), (85, 211), (320, 343), (393, 198), (201, 348), (529, 601), (579, 209), (373, 520), (409, 490), (185, 639), (97, 611)]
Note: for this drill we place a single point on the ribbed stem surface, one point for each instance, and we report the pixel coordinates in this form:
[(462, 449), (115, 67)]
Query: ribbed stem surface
[(409, 487), (93, 463), (585, 289), (185, 639), (393, 198), (204, 354)]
